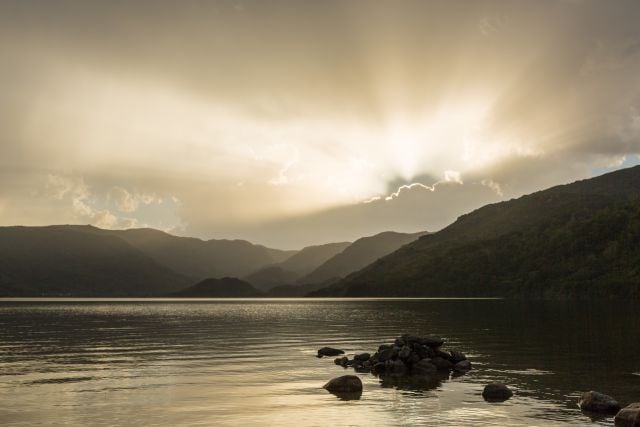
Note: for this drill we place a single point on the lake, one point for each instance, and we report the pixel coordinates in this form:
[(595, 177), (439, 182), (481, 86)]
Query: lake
[(252, 362)]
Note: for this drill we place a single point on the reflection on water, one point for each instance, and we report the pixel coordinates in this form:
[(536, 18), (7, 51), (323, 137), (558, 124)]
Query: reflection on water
[(253, 362)]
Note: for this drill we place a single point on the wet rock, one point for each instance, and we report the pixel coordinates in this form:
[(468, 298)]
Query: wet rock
[(383, 347), (404, 352), (441, 364), (456, 356), (593, 401), (344, 384), (386, 354), (342, 361), (363, 357), (423, 351), (328, 351), (346, 387), (379, 368), (462, 366), (629, 416), (413, 359), (397, 367), (433, 342), (440, 353), (424, 367), (496, 392), (399, 342)]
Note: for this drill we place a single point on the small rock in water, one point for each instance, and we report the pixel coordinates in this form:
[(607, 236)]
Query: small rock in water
[(342, 361), (593, 401), (344, 384), (629, 416), (457, 356), (496, 392), (328, 351), (363, 357), (462, 366)]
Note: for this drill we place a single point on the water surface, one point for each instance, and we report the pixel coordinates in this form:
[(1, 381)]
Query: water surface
[(248, 362)]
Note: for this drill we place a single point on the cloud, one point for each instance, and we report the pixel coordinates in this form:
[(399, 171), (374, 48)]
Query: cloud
[(411, 208), (494, 99), (129, 202)]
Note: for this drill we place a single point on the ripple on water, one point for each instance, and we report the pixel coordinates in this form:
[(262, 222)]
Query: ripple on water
[(253, 362)]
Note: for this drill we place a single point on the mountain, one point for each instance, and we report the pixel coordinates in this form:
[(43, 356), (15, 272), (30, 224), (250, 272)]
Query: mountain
[(227, 287), (201, 259), (71, 260), (269, 277), (77, 261), (290, 270), (311, 257), (569, 241), (359, 254)]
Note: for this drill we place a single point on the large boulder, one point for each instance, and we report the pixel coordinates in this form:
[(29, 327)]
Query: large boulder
[(346, 387), (329, 351), (593, 401), (496, 392), (629, 416)]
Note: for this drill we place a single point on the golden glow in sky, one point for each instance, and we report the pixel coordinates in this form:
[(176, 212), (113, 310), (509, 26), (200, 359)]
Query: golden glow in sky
[(276, 121)]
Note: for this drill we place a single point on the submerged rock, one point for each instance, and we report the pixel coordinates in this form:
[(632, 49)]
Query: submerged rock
[(496, 392), (593, 401), (629, 416), (328, 351)]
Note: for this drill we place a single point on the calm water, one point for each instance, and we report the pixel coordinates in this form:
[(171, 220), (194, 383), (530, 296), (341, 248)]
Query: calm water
[(252, 362)]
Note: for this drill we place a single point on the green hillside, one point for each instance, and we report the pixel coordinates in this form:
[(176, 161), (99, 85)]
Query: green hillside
[(570, 241)]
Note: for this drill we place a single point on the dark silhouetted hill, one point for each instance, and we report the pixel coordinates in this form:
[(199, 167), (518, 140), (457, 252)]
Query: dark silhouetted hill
[(359, 254), (290, 270), (569, 241), (227, 287), (71, 260), (201, 259), (78, 261)]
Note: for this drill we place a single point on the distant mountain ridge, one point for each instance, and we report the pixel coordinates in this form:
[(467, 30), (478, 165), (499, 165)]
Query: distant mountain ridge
[(226, 287), (358, 255), (289, 271), (569, 241), (76, 260)]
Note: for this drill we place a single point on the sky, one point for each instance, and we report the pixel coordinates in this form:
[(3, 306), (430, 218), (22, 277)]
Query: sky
[(290, 123)]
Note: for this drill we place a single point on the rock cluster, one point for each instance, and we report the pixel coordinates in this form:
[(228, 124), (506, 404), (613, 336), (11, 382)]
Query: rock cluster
[(408, 355)]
